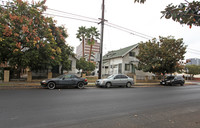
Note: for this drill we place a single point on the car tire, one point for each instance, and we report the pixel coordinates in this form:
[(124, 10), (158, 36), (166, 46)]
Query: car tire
[(108, 85), (51, 85), (80, 85), (128, 85), (182, 84)]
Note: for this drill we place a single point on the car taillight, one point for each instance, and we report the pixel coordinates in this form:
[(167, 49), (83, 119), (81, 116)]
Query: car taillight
[(85, 80)]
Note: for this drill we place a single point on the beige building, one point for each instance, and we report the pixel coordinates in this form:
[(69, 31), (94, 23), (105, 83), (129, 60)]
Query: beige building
[(95, 50)]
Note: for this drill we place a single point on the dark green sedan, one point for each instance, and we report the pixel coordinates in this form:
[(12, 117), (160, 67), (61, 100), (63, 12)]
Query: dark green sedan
[(67, 80)]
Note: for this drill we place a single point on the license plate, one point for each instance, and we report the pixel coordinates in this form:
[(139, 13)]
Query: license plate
[(163, 82)]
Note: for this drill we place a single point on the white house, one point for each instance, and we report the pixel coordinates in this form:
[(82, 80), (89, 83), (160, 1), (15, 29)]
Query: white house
[(122, 61), (72, 69)]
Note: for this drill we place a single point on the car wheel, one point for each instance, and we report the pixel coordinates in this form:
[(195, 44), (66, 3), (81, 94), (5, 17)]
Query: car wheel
[(51, 85), (128, 85), (108, 85), (182, 84), (80, 85)]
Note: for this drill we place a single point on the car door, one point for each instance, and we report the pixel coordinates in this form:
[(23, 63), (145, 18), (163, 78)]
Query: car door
[(74, 79), (116, 81), (179, 80), (176, 80), (124, 80), (66, 80)]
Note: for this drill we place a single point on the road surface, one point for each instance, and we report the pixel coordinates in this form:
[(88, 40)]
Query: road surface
[(147, 107)]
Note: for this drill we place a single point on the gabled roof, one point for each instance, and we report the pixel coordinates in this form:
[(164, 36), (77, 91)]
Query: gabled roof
[(119, 53)]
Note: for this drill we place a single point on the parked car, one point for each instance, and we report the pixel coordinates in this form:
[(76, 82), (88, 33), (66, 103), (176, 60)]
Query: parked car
[(115, 80), (65, 81), (173, 80)]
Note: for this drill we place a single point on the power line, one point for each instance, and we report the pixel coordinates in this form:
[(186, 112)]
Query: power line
[(71, 18), (73, 14), (108, 24), (193, 50), (126, 30)]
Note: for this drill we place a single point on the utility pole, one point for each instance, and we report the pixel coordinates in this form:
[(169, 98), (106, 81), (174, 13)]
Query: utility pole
[(101, 48)]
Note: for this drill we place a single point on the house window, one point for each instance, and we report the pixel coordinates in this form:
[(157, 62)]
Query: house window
[(132, 54), (127, 67)]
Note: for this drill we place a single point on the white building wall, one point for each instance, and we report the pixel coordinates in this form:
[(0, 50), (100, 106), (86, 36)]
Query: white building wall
[(129, 60), (73, 70)]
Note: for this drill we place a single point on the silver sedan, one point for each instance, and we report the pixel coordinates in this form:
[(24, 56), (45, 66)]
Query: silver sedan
[(119, 80)]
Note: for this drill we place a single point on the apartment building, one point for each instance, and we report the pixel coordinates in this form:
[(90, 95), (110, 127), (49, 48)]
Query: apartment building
[(95, 50)]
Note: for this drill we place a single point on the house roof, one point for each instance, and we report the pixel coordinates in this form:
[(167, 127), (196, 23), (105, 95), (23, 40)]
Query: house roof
[(119, 53)]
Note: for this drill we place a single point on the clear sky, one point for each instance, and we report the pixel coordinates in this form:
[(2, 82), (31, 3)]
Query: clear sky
[(142, 18)]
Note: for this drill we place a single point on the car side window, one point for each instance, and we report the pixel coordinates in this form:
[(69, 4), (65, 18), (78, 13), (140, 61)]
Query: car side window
[(67, 76), (179, 78), (72, 76), (124, 77), (118, 77)]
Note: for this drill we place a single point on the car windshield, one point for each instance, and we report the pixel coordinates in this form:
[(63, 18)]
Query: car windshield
[(61, 76), (111, 76), (170, 77)]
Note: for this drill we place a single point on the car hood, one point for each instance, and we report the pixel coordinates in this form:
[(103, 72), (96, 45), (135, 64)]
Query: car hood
[(103, 79)]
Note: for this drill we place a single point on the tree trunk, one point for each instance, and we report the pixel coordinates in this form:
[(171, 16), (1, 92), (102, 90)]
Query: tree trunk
[(90, 52), (83, 44)]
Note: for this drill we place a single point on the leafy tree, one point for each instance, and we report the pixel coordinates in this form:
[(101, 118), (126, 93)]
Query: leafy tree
[(185, 13), (92, 35), (85, 65), (162, 56), (82, 31), (140, 1), (192, 70), (27, 38), (81, 64), (60, 34)]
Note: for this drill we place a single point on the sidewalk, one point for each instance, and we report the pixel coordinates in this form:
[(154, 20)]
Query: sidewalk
[(36, 84)]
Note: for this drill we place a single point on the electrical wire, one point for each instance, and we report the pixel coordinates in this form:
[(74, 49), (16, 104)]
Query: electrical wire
[(194, 50), (126, 30), (70, 18), (72, 14), (111, 24)]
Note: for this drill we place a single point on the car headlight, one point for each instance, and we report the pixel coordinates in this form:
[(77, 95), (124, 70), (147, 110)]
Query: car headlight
[(44, 81), (101, 82)]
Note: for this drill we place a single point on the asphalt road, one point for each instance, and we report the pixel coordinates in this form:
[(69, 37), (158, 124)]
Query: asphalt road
[(148, 107)]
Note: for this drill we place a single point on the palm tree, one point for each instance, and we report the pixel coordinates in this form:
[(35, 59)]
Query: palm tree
[(92, 35), (82, 31)]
